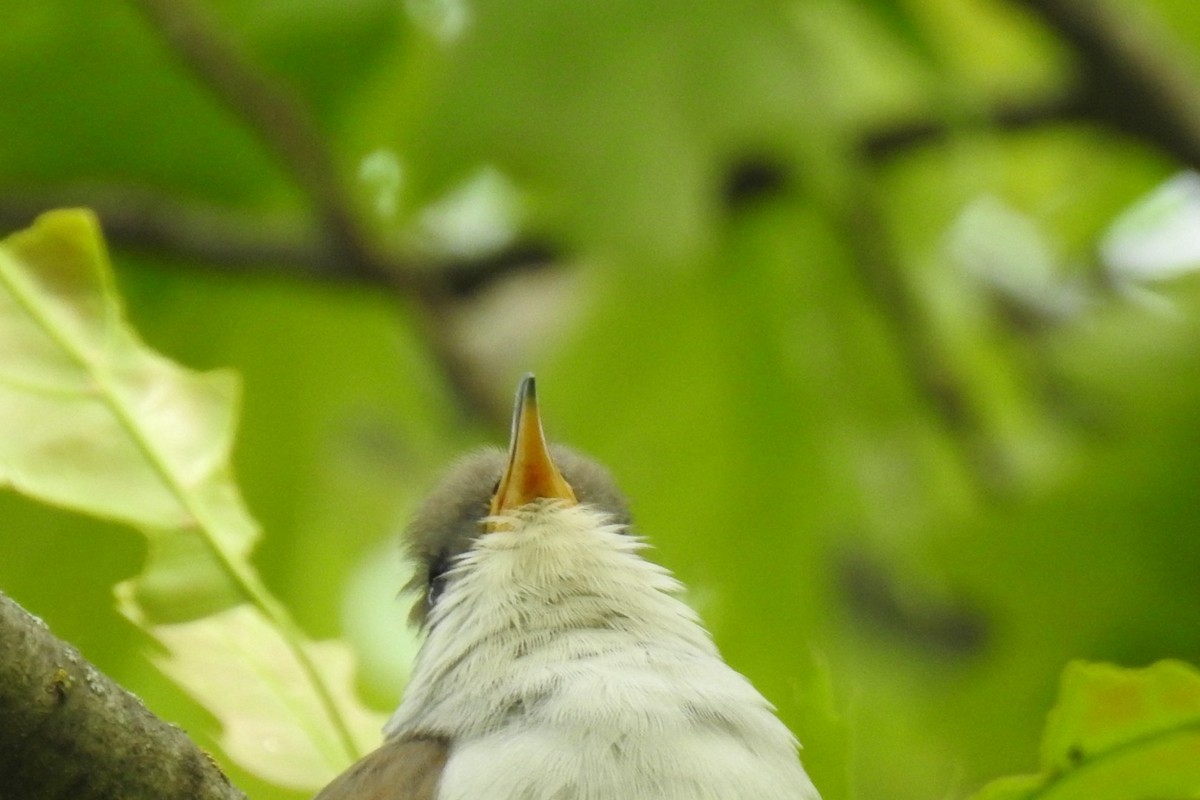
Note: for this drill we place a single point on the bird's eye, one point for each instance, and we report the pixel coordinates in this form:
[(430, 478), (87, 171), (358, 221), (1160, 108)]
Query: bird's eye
[(436, 586), (437, 579)]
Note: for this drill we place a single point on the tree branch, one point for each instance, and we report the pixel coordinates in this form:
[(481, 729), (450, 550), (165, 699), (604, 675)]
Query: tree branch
[(1130, 77), (68, 731), (884, 143), (224, 240), (286, 128), (1133, 75)]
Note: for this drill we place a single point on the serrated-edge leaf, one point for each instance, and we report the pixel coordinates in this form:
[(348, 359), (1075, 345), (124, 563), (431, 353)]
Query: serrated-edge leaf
[(1103, 708)]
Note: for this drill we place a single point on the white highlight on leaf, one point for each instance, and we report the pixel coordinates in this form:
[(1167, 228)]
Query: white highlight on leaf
[(239, 668), (383, 173), (1007, 251), (446, 20), (479, 216), (1158, 237)]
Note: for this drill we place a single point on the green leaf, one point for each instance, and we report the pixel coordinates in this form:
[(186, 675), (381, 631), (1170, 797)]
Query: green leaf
[(1117, 733), (238, 666), (898, 20), (93, 420)]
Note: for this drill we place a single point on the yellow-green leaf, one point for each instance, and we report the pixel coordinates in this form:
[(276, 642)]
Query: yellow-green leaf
[(236, 664), (1117, 734), (94, 420)]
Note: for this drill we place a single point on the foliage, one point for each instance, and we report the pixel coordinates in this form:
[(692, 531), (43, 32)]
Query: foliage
[(1117, 733), (883, 312), (95, 421)]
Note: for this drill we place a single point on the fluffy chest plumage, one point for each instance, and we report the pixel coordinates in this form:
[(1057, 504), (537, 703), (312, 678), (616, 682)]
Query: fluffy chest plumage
[(608, 729), (561, 666)]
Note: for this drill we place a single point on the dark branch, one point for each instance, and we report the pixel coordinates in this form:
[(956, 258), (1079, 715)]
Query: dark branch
[(224, 240), (884, 143), (1133, 75), (140, 220), (221, 240), (1130, 77), (68, 731)]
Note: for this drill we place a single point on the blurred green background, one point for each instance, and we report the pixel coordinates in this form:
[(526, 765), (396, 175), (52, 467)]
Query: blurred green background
[(882, 311)]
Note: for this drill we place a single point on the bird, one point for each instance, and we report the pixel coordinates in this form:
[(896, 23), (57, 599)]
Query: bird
[(558, 662)]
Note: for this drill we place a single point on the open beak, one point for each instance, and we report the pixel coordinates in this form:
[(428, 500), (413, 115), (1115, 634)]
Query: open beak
[(530, 474)]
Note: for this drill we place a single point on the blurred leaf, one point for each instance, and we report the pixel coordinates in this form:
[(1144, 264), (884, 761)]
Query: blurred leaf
[(97, 71), (1119, 734), (1158, 237), (93, 420), (1010, 254), (895, 16), (582, 107), (238, 667)]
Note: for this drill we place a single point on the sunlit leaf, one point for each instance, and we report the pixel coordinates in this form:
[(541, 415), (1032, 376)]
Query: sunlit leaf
[(239, 668), (1117, 733), (1010, 254), (93, 420)]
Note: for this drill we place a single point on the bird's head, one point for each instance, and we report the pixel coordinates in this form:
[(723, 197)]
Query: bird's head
[(491, 490)]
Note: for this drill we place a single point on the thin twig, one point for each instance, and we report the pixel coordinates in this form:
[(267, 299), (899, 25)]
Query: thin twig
[(885, 142), (933, 373), (142, 220), (1130, 76), (281, 122)]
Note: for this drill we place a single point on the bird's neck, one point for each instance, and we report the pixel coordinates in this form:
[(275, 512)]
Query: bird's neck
[(557, 590)]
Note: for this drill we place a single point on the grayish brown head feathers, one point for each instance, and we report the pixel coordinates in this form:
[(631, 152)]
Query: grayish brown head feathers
[(451, 518)]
